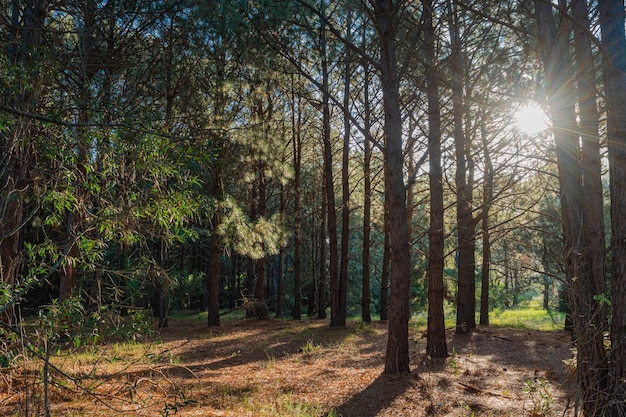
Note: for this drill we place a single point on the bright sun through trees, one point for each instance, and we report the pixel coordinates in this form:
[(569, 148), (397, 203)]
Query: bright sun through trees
[(531, 119)]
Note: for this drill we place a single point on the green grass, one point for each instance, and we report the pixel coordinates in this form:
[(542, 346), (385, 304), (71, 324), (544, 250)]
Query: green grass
[(225, 315), (528, 317), (288, 406), (531, 317)]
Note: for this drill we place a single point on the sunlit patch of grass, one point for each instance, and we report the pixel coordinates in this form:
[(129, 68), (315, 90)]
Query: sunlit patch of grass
[(527, 318), (310, 347), (287, 406), (291, 408), (229, 397), (530, 317), (124, 351), (362, 328)]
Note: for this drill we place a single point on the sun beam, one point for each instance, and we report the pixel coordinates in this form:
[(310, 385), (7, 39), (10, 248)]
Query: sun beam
[(531, 119)]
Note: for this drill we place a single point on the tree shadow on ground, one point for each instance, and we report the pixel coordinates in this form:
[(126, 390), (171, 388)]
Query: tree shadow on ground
[(377, 396)]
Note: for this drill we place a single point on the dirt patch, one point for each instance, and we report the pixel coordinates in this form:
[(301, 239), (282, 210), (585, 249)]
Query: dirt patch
[(305, 368)]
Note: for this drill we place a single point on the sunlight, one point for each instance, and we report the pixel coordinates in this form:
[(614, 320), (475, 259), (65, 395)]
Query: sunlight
[(531, 119)]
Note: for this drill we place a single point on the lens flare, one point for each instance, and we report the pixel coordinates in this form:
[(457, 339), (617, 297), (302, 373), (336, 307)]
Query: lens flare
[(531, 119)]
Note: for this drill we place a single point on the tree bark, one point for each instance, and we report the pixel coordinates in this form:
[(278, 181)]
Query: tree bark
[(436, 346), (580, 286), (213, 307), (487, 199), (280, 284), (465, 315), (321, 283), (385, 14), (296, 114), (366, 315), (614, 43), (261, 264), (385, 278), (345, 185), (337, 319)]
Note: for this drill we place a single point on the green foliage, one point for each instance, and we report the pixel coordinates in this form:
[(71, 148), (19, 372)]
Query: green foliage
[(452, 362), (254, 239), (69, 325), (602, 299), (309, 347), (186, 290), (539, 395)]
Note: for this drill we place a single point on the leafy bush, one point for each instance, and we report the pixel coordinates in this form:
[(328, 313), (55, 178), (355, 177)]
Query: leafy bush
[(68, 324)]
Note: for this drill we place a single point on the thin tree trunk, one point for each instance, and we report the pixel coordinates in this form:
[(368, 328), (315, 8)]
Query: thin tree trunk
[(385, 277), (410, 187), (436, 346), (213, 307), (345, 185), (546, 294), (487, 199), (163, 283), (265, 115), (261, 264), (321, 284), (280, 290), (366, 314), (296, 114), (336, 319)]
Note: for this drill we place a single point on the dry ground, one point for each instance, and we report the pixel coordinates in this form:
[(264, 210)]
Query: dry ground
[(304, 369)]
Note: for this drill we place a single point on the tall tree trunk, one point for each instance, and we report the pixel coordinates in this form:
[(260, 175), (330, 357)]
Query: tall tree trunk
[(614, 42), (465, 315), (321, 283), (591, 164), (410, 186), (345, 184), (280, 284), (259, 288), (335, 297), (296, 121), (436, 346), (213, 281), (261, 264), (385, 276), (487, 199), (366, 314), (554, 45), (265, 115), (385, 14), (163, 284), (593, 237)]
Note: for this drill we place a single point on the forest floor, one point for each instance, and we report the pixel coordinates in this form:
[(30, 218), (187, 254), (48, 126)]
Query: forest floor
[(304, 369)]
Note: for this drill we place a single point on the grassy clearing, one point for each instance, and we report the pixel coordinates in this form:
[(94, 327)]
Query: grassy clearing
[(528, 318), (525, 317)]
